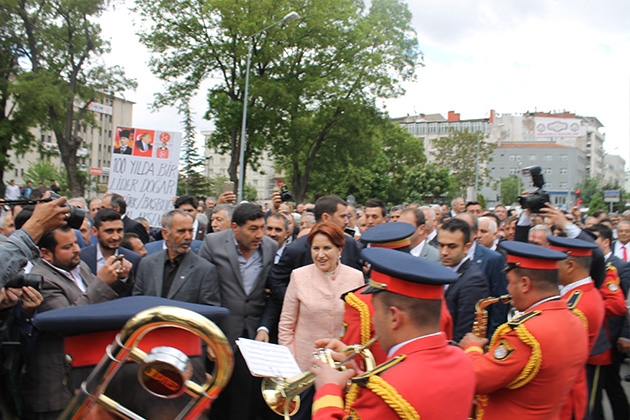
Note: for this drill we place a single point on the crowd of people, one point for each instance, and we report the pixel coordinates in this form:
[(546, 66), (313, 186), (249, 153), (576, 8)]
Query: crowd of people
[(331, 274)]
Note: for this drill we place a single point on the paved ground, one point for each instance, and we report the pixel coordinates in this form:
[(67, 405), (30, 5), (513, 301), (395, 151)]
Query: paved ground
[(625, 370)]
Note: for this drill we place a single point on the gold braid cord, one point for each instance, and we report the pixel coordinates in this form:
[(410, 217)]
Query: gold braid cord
[(388, 393), (535, 360), (364, 314), (581, 315)]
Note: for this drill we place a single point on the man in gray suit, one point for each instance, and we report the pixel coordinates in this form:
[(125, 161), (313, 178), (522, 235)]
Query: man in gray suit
[(68, 281), (243, 256), (419, 245), (176, 273)]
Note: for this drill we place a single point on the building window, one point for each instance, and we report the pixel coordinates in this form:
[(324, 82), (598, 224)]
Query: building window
[(563, 185), (533, 157), (563, 171), (222, 161), (548, 171), (564, 157), (547, 158)]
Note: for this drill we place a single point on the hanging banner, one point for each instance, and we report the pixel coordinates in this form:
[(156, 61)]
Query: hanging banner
[(144, 171)]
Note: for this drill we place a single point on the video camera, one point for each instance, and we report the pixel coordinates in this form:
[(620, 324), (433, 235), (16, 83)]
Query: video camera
[(536, 200), (22, 279), (77, 214)]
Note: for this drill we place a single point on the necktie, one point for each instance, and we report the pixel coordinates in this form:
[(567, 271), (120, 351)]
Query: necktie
[(625, 253)]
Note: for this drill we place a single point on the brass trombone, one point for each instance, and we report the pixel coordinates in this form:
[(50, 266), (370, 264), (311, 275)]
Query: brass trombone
[(282, 394), (165, 372)]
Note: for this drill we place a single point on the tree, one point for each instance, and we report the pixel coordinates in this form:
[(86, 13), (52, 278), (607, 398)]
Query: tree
[(458, 151), (373, 162), (61, 44), (192, 162), (42, 172), (308, 83), (589, 188), (510, 189), (428, 183)]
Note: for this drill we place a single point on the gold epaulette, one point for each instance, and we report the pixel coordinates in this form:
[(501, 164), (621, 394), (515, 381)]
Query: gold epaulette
[(364, 315), (609, 266), (523, 318), (343, 296), (573, 300), (362, 379), (370, 380), (502, 351)]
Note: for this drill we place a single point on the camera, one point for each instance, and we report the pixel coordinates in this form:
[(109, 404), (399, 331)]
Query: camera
[(23, 280), (285, 194), (77, 214), (536, 200)]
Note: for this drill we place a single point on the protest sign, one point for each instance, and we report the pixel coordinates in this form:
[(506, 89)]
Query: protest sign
[(144, 171)]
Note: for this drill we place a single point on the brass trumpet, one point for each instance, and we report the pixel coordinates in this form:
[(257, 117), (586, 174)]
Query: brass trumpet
[(282, 394), (165, 372)]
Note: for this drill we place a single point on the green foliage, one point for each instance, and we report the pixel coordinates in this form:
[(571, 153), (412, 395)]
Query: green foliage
[(459, 151), (190, 160), (309, 80), (428, 183), (597, 203), (592, 193), (58, 46), (510, 189), (42, 172), (589, 188)]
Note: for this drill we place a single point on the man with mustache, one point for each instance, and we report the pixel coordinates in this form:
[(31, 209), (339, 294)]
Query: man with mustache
[(176, 273)]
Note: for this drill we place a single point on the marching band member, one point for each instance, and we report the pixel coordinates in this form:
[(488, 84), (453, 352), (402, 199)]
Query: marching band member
[(534, 359), (407, 293)]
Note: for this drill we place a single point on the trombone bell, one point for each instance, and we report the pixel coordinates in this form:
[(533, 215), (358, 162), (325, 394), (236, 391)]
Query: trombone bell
[(165, 372)]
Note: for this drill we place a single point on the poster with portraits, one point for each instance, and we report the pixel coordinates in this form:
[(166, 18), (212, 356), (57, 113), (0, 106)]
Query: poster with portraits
[(144, 169)]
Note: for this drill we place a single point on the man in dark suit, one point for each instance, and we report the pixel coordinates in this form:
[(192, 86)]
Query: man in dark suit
[(491, 264), (177, 273), (108, 230), (67, 282), (189, 205), (144, 146), (454, 241), (243, 257), (118, 203), (298, 254), (124, 148)]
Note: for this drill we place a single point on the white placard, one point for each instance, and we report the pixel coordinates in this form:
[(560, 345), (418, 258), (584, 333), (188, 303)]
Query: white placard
[(144, 171), (267, 360)]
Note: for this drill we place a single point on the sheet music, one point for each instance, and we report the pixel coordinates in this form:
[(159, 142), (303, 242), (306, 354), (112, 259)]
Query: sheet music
[(268, 360)]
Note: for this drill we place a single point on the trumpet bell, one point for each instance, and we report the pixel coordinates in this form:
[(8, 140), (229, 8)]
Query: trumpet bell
[(274, 394)]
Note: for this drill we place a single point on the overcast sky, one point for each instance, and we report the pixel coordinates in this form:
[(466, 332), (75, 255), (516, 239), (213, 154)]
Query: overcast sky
[(510, 56)]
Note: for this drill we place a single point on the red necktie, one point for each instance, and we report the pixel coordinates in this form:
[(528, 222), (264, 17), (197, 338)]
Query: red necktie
[(625, 253)]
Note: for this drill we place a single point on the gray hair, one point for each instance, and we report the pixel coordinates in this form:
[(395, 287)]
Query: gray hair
[(455, 200), (436, 207), (229, 209), (167, 219), (492, 224), (429, 211), (543, 228)]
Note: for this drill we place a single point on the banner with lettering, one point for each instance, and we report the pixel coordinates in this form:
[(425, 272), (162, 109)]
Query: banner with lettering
[(144, 171)]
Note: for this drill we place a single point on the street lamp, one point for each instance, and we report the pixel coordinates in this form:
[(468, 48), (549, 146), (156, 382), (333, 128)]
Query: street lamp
[(241, 162)]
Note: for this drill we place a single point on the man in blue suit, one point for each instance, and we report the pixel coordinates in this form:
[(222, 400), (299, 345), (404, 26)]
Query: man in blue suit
[(108, 229), (491, 264)]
